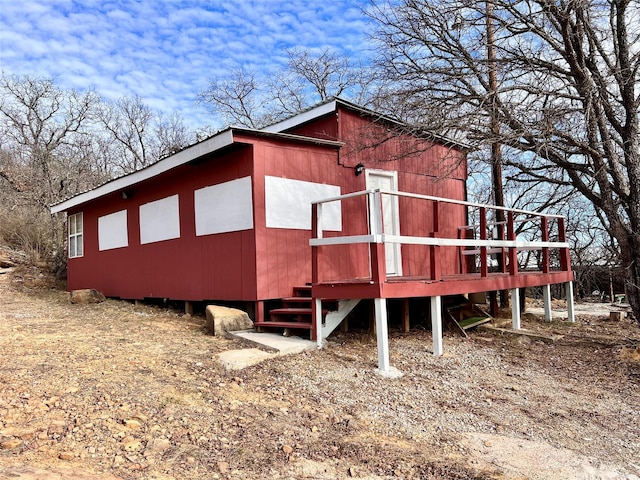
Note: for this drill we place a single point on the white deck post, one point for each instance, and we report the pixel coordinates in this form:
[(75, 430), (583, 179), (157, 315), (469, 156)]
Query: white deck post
[(570, 312), (515, 308), (317, 305), (436, 324), (382, 334), (546, 294)]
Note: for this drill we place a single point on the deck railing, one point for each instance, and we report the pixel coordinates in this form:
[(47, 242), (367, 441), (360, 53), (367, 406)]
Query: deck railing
[(492, 246)]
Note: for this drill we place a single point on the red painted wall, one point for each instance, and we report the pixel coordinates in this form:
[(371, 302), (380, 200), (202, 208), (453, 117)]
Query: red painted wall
[(265, 263), (220, 267), (283, 256), (423, 167)]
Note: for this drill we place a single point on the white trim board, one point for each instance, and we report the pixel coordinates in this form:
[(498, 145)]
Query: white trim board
[(301, 118)]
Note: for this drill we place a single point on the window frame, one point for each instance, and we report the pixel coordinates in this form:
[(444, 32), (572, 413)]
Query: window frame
[(75, 235)]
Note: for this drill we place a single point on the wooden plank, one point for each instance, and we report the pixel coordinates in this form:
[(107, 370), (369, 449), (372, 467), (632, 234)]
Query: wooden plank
[(283, 324), (424, 287)]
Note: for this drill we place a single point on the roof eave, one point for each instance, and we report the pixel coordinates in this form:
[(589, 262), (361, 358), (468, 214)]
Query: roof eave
[(301, 118), (219, 141), (332, 106), (216, 142)]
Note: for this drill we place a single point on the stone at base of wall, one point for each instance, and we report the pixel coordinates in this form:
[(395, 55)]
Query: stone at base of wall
[(221, 320), (85, 296)]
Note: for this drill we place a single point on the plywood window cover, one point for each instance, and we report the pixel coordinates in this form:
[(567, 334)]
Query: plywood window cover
[(224, 207), (113, 231), (288, 204), (160, 220)]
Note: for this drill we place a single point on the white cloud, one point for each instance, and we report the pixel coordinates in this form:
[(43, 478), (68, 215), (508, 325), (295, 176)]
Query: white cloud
[(165, 52)]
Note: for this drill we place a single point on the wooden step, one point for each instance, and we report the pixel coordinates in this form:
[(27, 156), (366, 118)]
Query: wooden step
[(295, 313), (290, 311), (283, 324), (471, 322), (297, 300), (302, 291)]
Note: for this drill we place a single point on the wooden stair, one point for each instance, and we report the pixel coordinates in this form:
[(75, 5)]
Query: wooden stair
[(295, 313), (464, 316)]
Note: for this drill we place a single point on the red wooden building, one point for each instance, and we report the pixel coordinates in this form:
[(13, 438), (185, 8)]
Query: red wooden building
[(231, 219)]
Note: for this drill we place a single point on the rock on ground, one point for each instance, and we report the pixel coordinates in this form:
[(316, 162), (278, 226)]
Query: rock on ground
[(221, 320), (87, 296)]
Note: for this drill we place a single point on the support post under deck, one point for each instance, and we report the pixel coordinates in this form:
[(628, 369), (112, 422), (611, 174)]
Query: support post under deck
[(436, 324), (571, 316), (546, 295), (405, 316), (317, 320), (382, 334), (515, 308)]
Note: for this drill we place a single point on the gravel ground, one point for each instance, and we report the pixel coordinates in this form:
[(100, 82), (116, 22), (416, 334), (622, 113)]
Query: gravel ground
[(115, 391)]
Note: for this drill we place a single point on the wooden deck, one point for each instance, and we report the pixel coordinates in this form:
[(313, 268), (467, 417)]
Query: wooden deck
[(529, 249), (412, 287)]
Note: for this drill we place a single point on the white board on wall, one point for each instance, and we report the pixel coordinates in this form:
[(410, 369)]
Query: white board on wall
[(160, 220), (112, 231), (225, 207), (288, 204)]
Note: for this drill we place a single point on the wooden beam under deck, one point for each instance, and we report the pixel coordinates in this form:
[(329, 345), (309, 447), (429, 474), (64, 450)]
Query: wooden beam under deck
[(410, 287)]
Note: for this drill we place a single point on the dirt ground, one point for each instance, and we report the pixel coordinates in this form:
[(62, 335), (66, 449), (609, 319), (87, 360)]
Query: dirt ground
[(115, 391)]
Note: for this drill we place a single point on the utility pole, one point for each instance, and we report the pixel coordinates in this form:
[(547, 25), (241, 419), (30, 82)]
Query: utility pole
[(496, 150)]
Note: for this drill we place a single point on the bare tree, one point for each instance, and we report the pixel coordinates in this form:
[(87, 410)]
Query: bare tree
[(128, 121), (172, 135), (141, 136), (235, 98), (328, 73), (43, 131), (566, 100), (246, 99), (44, 135)]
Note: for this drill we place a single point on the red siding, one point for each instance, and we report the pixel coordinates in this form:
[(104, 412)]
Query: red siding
[(325, 127), (220, 267), (265, 263), (423, 167), (283, 256)]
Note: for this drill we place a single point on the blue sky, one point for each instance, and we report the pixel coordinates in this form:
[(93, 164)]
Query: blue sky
[(166, 50)]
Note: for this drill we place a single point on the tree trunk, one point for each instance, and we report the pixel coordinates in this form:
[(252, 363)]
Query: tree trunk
[(630, 254)]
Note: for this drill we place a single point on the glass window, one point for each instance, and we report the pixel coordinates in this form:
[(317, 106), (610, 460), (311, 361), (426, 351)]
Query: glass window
[(75, 235)]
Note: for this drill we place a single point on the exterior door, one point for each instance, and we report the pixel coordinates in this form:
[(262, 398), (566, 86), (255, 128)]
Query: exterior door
[(386, 180)]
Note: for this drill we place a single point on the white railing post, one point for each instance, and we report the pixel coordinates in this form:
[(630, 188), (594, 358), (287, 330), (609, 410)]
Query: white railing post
[(376, 217), (319, 220)]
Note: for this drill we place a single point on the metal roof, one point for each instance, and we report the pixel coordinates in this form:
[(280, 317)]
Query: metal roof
[(331, 105), (220, 140)]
